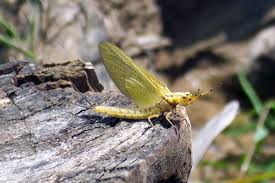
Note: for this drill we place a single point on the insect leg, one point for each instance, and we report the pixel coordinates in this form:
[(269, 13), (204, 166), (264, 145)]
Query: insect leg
[(152, 116), (167, 116)]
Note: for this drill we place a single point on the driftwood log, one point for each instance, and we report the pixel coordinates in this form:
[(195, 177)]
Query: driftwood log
[(49, 132)]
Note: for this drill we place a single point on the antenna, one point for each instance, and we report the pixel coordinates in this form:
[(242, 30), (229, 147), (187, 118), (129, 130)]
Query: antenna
[(211, 90)]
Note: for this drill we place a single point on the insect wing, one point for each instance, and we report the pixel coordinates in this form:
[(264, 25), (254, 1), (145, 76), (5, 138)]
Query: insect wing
[(132, 80)]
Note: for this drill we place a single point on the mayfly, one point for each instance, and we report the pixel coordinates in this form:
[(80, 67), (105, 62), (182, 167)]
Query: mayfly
[(151, 97)]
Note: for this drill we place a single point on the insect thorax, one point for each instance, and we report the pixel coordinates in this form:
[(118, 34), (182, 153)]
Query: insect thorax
[(182, 98)]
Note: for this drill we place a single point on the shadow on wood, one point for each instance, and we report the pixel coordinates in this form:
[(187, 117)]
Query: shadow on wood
[(48, 133)]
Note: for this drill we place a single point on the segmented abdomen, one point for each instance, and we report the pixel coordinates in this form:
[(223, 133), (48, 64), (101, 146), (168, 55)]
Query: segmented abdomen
[(128, 113)]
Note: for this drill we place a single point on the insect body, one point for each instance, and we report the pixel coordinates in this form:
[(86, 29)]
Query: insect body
[(151, 97)]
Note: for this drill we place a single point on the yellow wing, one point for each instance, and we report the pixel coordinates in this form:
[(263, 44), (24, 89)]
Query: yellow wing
[(132, 80)]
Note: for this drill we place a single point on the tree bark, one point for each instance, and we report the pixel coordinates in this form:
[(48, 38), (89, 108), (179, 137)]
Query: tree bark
[(50, 133)]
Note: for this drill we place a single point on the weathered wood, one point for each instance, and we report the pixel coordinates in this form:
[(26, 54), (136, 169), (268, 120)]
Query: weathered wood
[(50, 134)]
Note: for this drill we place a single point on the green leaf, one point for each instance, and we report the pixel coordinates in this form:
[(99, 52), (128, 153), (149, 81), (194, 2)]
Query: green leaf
[(250, 92), (261, 134), (270, 122), (240, 129), (10, 43), (8, 28)]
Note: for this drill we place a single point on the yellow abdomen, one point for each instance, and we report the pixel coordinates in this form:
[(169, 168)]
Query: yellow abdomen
[(135, 113)]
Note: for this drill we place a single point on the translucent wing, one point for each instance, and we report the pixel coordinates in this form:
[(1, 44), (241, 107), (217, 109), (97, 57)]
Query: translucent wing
[(138, 90), (132, 80)]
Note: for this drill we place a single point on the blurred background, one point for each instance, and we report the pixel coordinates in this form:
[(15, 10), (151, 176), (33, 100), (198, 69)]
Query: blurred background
[(188, 44)]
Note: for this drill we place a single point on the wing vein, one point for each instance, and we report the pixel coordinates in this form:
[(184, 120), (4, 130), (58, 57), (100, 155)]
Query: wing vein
[(131, 79)]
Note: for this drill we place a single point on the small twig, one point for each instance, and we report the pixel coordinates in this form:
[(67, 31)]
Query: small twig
[(35, 26), (61, 30)]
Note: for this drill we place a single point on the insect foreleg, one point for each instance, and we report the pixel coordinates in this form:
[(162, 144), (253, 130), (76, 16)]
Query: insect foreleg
[(168, 116), (152, 116)]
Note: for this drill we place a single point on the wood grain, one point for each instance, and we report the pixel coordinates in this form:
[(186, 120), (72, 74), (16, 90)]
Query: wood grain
[(51, 134)]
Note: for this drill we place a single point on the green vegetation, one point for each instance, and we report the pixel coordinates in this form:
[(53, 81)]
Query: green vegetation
[(252, 165), (265, 125), (25, 44)]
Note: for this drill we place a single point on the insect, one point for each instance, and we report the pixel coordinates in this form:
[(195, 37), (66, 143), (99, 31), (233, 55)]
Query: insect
[(152, 98)]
